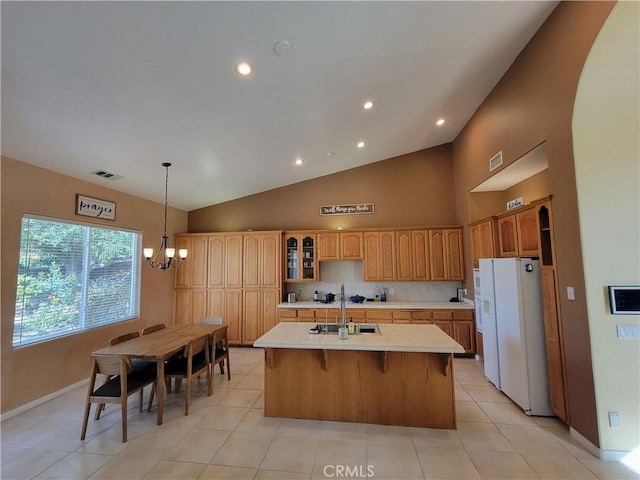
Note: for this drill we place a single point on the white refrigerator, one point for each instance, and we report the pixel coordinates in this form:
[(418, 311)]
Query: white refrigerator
[(515, 358)]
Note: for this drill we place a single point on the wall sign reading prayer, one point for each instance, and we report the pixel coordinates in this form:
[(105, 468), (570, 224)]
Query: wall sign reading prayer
[(348, 209), (93, 207)]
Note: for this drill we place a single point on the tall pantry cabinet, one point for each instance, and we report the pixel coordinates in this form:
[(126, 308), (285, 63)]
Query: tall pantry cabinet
[(233, 275)]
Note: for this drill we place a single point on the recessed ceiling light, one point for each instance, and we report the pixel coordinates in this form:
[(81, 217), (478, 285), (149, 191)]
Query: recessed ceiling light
[(361, 144), (368, 105), (331, 154), (440, 122), (299, 161), (244, 69)]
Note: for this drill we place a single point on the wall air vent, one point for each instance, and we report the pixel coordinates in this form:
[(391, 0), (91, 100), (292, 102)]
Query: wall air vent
[(495, 161), (109, 176)]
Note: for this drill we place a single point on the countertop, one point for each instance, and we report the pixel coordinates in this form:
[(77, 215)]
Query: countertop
[(384, 305), (392, 338)]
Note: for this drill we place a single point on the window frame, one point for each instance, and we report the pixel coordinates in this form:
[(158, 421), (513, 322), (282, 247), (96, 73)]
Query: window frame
[(85, 322)]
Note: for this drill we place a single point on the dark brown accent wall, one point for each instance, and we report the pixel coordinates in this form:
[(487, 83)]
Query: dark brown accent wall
[(415, 189), (533, 103)]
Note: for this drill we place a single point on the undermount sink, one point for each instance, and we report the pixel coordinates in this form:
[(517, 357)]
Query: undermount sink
[(332, 328)]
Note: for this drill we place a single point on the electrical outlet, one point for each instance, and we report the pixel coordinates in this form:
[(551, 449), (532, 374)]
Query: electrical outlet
[(571, 294), (392, 291), (614, 419)]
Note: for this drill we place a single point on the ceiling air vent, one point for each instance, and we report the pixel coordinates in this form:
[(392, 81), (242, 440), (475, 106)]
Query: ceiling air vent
[(109, 176), (495, 161)]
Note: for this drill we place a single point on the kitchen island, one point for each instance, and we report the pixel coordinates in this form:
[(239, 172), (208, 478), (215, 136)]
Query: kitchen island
[(402, 375)]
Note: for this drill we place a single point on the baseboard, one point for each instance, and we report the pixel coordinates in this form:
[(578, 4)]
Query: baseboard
[(604, 455), (41, 400)]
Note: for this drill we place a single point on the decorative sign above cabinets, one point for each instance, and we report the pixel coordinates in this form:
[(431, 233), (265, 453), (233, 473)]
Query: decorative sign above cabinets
[(93, 207), (515, 203), (347, 209)]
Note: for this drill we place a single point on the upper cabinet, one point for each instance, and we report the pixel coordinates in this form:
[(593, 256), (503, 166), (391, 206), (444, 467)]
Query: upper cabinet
[(261, 260), (193, 272), (339, 246), (300, 256), (483, 240), (412, 255), (518, 233), (446, 258), (380, 256)]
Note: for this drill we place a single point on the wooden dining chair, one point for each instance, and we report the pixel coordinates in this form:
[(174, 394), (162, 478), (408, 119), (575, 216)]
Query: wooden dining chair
[(123, 382), (153, 328), (220, 350), (191, 365), (213, 321)]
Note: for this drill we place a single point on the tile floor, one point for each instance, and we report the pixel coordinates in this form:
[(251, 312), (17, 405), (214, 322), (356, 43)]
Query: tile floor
[(227, 436)]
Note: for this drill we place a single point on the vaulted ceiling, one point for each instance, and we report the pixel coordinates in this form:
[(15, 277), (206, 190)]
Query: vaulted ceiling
[(124, 86)]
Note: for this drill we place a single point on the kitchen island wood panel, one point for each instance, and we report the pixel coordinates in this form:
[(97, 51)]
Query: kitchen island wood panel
[(388, 388), (401, 376)]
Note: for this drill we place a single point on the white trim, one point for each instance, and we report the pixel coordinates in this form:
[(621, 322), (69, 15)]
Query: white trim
[(39, 401), (604, 455)]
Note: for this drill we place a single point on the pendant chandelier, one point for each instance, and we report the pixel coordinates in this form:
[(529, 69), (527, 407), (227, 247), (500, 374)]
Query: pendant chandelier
[(165, 257)]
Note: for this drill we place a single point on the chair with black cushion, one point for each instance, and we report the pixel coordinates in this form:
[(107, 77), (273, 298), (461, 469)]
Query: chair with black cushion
[(213, 321), (220, 350), (191, 365), (123, 382)]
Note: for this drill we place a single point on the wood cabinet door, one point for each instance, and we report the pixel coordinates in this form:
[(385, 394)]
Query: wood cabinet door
[(464, 334), (198, 305), (476, 244), (446, 326), (252, 316), (270, 253), (351, 246), (507, 244), (233, 266), (198, 261), (216, 261), (371, 263), (404, 255), (182, 306), (527, 233), (183, 274), (328, 247), (553, 338), (215, 303), (251, 260), (270, 301), (420, 255), (387, 256), (233, 314), (454, 263), (487, 239), (436, 254)]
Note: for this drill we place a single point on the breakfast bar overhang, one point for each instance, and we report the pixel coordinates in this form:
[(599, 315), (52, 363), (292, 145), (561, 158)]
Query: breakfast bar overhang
[(402, 375)]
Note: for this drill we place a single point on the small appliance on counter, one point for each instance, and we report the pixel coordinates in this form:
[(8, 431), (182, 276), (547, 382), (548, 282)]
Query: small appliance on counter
[(291, 297)]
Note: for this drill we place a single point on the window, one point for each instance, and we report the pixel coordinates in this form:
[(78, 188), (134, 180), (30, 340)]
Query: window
[(74, 277)]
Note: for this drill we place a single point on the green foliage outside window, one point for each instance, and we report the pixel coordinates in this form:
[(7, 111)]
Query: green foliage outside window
[(74, 277)]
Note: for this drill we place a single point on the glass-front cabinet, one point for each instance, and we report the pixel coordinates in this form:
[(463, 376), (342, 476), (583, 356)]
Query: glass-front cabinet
[(300, 256)]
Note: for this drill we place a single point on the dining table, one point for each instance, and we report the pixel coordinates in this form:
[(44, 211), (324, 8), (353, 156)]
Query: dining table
[(159, 346)]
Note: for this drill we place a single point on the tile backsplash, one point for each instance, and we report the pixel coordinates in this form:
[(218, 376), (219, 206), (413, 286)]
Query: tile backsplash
[(334, 274)]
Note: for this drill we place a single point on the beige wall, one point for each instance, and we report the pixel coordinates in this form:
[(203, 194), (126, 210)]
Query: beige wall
[(606, 133), (486, 204), (532, 104), (34, 371), (411, 190)]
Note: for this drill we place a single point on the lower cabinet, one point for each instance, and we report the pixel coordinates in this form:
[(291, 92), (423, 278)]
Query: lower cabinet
[(259, 313)]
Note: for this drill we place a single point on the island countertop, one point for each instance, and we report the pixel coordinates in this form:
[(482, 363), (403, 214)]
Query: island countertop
[(398, 338), (383, 305)]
